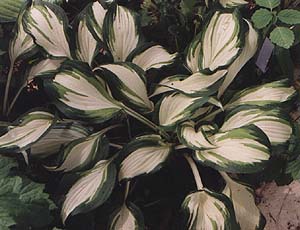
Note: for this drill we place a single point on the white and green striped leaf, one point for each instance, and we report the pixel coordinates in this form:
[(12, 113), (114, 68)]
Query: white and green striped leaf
[(59, 135), (95, 18), (47, 23), (220, 51), (198, 84), (241, 150), (44, 67), (193, 139), (77, 93), (86, 44), (128, 217), (91, 190), (274, 123), (247, 213), (251, 44), (178, 107), (120, 32), (25, 131), (82, 153), (204, 209), (22, 43), (193, 55), (128, 84), (273, 93), (144, 155), (154, 57), (232, 3), (167, 81)]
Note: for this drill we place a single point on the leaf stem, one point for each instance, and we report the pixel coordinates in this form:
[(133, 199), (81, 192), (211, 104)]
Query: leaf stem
[(145, 121), (6, 93), (195, 171), (127, 186), (11, 106)]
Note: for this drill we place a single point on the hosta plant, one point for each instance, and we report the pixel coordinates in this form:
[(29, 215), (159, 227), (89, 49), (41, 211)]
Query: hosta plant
[(108, 127)]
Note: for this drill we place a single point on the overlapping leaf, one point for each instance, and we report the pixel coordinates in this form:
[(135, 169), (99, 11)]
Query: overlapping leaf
[(273, 93), (220, 51), (274, 123), (144, 155), (82, 153), (87, 45), (91, 190), (248, 51), (25, 131), (47, 23), (128, 217), (177, 107), (204, 209), (193, 139), (120, 32), (22, 43), (60, 134), (153, 57), (247, 213), (79, 95), (241, 150), (198, 84), (128, 84)]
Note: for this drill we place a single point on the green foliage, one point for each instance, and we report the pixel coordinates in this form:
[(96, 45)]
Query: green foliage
[(267, 19), (283, 37), (23, 203), (261, 18), (289, 16), (270, 4)]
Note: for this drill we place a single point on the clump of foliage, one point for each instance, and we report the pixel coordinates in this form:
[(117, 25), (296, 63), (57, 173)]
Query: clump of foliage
[(119, 109)]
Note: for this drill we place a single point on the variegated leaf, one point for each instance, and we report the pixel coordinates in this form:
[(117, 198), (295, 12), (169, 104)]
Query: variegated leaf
[(79, 95), (167, 81), (60, 134), (22, 43), (274, 123), (120, 32), (232, 3), (91, 190), (241, 150), (198, 84), (95, 18), (144, 155), (193, 139), (273, 93), (220, 51), (82, 153), (251, 44), (47, 23), (204, 209), (87, 46), (153, 57), (25, 131), (128, 217), (44, 67), (247, 213), (193, 55), (128, 84), (177, 107)]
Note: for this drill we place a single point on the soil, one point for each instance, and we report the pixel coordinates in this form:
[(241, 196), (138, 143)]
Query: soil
[(280, 205)]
